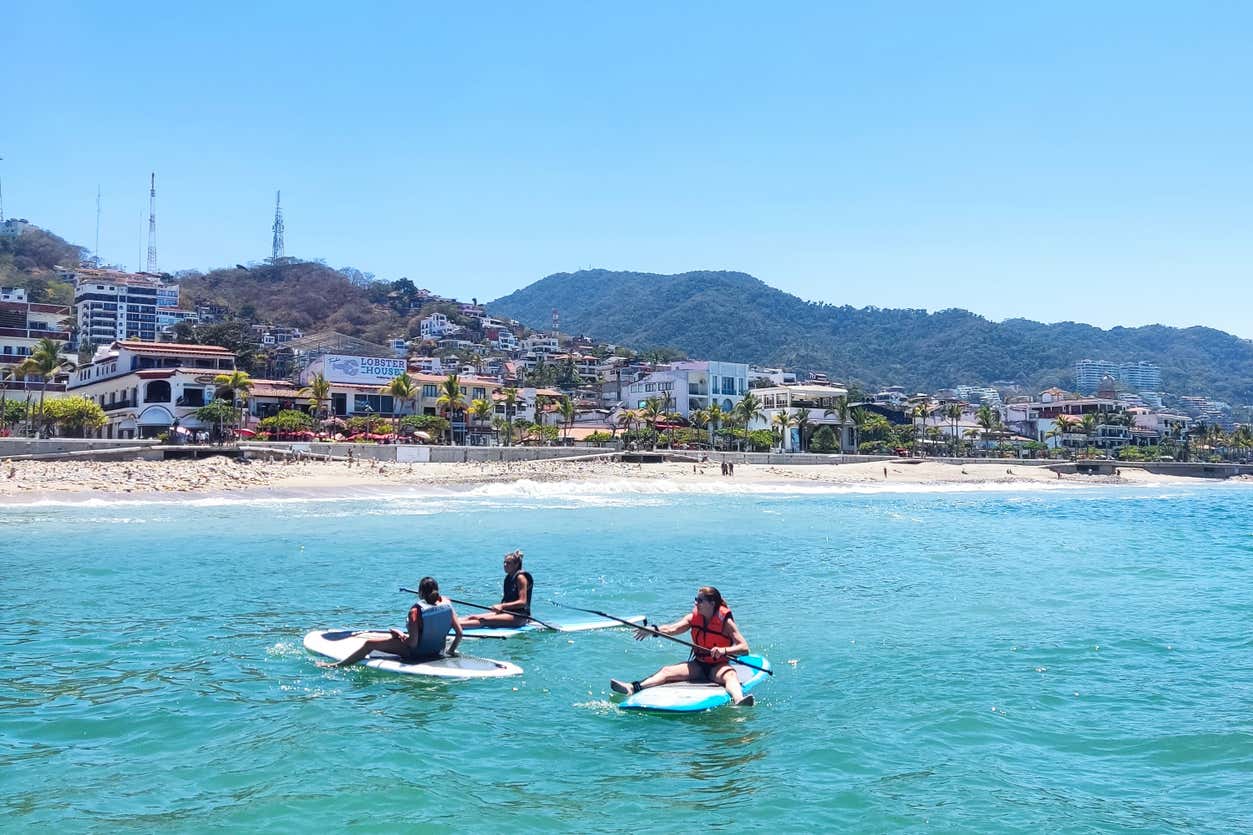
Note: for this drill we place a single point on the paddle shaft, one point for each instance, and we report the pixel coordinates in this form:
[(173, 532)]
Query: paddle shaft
[(656, 631), (490, 609)]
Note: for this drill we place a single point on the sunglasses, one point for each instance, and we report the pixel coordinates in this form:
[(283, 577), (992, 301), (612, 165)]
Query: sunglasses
[(703, 600)]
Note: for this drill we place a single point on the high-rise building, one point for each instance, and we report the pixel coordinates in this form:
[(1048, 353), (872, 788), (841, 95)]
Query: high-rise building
[(1140, 376), (1088, 374), (111, 305)]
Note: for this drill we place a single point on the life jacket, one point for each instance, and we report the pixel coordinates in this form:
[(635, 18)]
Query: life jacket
[(510, 591), (436, 623), (709, 635)]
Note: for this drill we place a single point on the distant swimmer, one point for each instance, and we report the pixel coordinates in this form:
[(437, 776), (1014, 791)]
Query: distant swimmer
[(515, 598), (429, 622), (716, 638)]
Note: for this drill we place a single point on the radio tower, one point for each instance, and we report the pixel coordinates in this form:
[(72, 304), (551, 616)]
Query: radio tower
[(1, 199), (278, 227), (152, 225), (556, 321), (97, 252)]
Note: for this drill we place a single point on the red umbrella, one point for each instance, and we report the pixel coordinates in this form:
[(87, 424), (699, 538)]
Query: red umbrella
[(248, 432)]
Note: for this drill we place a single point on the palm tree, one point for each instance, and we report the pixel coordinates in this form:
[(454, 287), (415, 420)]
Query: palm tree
[(988, 419), (781, 422), (319, 391), (1089, 423), (231, 385), (44, 361), (861, 421), (919, 414), (481, 409), (568, 411), (1059, 429), (402, 389), (746, 411), (626, 418), (972, 434), (503, 428), (841, 410), (800, 419), (510, 394), (652, 413), (450, 400), (6, 378), (953, 412), (716, 416)]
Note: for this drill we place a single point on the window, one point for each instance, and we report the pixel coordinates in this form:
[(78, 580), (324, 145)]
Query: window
[(430, 390)]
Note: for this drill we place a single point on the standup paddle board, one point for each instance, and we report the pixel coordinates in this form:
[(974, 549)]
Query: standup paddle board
[(562, 625), (692, 697), (341, 643)]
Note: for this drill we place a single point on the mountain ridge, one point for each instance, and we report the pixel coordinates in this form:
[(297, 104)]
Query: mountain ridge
[(737, 317)]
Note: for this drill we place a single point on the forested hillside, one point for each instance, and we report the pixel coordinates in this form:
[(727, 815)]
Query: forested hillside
[(733, 316)]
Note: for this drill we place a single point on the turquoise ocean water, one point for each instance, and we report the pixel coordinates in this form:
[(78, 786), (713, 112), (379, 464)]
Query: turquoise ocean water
[(1054, 660)]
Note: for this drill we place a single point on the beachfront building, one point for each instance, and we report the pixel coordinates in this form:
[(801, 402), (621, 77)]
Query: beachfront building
[(144, 387), (819, 402), (686, 386), (111, 305), (437, 326), (23, 324)]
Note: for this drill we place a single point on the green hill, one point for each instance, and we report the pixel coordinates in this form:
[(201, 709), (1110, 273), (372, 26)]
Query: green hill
[(736, 317)]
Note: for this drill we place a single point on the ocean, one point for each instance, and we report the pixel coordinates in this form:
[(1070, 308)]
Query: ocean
[(1061, 660)]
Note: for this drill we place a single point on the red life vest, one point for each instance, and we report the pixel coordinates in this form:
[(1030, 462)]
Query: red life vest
[(709, 635)]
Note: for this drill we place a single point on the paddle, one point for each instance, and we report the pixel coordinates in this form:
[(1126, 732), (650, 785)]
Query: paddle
[(490, 609), (654, 631)]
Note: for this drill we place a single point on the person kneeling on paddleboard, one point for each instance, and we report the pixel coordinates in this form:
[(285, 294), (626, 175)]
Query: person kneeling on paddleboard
[(716, 637), (515, 599), (428, 625)]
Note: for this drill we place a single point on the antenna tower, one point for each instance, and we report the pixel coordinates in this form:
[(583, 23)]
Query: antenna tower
[(152, 225), (1, 198), (97, 252), (556, 321), (279, 247)]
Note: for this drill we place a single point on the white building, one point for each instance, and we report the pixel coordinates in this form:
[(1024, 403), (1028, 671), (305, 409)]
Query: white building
[(111, 305), (437, 326), (540, 344), (690, 385), (819, 399), (23, 324), (143, 387)]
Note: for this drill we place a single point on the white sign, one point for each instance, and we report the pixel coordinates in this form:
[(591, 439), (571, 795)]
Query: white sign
[(343, 369)]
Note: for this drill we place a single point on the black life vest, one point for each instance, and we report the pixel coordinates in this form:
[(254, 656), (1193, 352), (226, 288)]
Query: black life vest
[(511, 591)]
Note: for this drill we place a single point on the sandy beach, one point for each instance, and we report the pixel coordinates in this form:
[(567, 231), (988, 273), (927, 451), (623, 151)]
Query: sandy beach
[(218, 474)]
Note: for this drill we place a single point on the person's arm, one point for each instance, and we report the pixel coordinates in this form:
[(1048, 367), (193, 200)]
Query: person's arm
[(414, 626), (680, 625), (456, 628), (739, 646), (509, 605)]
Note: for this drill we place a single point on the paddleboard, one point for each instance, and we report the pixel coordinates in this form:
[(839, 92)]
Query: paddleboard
[(338, 644), (693, 697), (561, 624)]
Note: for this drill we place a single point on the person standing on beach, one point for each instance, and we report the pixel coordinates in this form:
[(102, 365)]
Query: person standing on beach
[(429, 621), (716, 637), (515, 598)]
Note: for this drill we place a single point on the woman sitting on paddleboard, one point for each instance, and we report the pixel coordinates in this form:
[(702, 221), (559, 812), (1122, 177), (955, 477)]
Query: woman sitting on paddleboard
[(715, 634), (515, 598), (429, 622)]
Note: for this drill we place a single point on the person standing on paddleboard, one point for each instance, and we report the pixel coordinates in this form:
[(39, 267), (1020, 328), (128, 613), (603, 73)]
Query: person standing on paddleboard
[(428, 625), (716, 637), (515, 598)]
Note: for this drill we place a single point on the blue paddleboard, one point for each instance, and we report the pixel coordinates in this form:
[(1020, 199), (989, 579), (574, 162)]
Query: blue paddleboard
[(693, 697)]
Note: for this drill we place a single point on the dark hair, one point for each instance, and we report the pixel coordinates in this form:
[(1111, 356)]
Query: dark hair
[(428, 590), (714, 595), (515, 555)]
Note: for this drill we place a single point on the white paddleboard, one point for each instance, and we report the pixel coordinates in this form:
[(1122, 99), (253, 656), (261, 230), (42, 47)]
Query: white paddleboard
[(338, 644), (692, 697), (562, 625)]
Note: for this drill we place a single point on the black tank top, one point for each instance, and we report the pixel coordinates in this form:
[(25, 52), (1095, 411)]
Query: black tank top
[(511, 591)]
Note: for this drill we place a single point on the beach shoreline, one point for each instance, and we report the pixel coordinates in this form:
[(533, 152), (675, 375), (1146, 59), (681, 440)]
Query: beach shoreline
[(27, 481)]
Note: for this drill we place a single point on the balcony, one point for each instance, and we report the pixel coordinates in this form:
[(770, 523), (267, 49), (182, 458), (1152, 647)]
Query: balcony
[(120, 404), (35, 333)]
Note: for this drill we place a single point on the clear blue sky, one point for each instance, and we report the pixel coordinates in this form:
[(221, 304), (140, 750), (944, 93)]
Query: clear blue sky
[(1076, 161)]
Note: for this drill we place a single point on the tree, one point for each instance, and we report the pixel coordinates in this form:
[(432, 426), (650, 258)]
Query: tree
[(747, 410), (567, 410), (401, 389), (450, 400), (781, 422), (217, 413), (44, 362), (716, 416), (510, 395), (481, 410), (841, 410), (286, 422), (953, 411), (236, 386), (319, 391), (800, 419), (75, 416), (989, 420), (824, 440)]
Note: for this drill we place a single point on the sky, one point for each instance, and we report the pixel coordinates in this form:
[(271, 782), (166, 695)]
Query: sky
[(1063, 161)]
